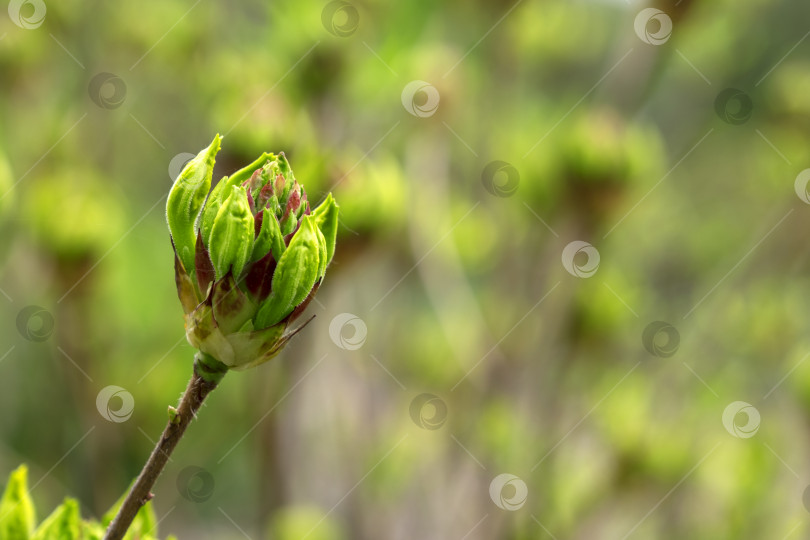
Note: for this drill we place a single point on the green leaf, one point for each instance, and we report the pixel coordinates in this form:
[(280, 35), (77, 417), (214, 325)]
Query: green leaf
[(295, 274), (270, 238), (145, 521), (326, 218), (296, 522), (215, 198), (63, 524), (92, 530), (186, 200), (232, 234), (16, 509)]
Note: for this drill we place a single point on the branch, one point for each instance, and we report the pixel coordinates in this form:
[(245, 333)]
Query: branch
[(207, 374)]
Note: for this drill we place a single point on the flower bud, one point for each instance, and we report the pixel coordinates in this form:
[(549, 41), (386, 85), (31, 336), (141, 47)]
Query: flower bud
[(269, 237), (258, 259), (326, 218), (215, 198), (186, 200), (231, 242), (295, 275)]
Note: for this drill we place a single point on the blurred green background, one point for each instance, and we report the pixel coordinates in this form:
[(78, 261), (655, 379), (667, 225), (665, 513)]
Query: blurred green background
[(603, 376)]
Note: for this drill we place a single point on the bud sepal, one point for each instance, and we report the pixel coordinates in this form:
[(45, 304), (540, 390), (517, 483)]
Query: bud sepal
[(185, 202)]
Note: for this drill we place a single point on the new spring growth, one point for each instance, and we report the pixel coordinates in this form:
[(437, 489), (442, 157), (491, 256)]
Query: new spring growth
[(249, 256)]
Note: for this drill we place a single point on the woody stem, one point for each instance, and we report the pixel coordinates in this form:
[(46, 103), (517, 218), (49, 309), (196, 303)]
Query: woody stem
[(206, 376)]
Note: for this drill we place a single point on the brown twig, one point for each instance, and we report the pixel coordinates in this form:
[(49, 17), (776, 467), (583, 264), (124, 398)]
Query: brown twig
[(202, 382)]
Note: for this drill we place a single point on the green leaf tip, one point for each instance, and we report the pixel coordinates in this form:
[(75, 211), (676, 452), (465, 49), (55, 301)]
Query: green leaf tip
[(326, 218), (186, 199), (16, 508), (63, 524)]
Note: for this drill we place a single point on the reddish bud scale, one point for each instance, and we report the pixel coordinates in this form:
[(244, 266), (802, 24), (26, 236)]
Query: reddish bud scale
[(257, 224), (259, 278), (250, 201), (264, 196), (203, 265)]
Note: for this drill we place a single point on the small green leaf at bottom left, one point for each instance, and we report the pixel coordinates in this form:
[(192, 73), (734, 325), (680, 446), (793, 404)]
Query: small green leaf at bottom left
[(18, 520)]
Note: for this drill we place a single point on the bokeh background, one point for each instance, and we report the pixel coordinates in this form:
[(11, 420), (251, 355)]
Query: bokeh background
[(571, 253)]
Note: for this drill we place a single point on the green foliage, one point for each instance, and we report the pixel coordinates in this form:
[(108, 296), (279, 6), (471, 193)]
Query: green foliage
[(70, 229), (143, 527), (303, 521), (16, 508), (63, 524), (6, 188), (17, 521)]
